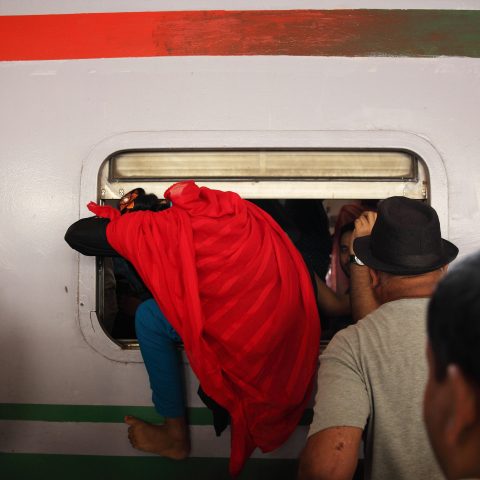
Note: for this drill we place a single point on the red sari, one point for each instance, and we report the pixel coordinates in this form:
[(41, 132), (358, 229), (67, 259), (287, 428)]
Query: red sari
[(233, 286)]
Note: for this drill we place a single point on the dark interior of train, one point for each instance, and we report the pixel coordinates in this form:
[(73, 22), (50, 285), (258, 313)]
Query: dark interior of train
[(311, 224)]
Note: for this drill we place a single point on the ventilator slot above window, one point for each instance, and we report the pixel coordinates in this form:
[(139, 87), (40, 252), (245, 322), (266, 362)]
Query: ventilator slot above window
[(265, 173), (262, 164)]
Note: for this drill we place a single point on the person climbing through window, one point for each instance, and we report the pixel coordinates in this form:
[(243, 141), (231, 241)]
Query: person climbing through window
[(226, 281)]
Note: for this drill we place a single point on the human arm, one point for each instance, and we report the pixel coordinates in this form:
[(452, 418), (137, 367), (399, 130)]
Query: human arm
[(331, 454), (362, 296), (331, 304), (341, 411), (89, 237)]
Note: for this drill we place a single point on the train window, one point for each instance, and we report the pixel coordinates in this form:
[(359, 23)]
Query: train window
[(303, 190)]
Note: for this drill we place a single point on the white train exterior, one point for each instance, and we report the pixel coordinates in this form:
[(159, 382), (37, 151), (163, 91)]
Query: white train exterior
[(64, 385)]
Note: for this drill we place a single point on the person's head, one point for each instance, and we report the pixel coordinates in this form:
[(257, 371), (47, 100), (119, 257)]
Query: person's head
[(344, 238), (137, 199), (452, 395), (405, 243)]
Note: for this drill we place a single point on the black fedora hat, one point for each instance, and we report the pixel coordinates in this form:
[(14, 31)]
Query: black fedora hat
[(405, 239)]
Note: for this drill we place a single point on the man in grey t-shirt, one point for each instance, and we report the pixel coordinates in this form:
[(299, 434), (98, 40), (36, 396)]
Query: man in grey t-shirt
[(372, 375)]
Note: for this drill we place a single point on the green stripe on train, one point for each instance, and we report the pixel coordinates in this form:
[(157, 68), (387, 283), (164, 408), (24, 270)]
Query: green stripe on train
[(20, 466), (102, 413)]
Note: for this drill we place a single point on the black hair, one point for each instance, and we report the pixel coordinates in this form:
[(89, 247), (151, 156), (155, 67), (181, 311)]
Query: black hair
[(149, 201), (142, 201), (348, 227), (454, 320)]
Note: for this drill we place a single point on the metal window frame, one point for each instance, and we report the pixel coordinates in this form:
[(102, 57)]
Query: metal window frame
[(436, 189)]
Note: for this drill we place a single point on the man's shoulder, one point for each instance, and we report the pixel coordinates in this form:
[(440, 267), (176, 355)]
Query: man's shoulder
[(403, 308), (389, 318)]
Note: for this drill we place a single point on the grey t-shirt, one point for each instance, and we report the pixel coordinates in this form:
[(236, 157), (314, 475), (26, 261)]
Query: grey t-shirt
[(372, 375)]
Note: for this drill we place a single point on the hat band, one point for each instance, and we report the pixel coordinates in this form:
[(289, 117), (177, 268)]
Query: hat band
[(422, 260)]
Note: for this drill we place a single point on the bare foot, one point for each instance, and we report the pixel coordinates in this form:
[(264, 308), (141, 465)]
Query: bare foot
[(170, 440)]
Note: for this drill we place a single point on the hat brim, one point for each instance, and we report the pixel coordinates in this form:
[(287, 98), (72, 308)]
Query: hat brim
[(362, 250)]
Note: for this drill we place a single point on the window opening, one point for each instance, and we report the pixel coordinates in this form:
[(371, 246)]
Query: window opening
[(305, 202)]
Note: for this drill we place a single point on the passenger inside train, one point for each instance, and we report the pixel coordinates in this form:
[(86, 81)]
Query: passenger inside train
[(452, 396), (372, 374), (188, 256), (333, 294), (307, 224)]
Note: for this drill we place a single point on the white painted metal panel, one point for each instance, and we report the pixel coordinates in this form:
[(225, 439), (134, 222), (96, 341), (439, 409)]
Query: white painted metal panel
[(60, 119)]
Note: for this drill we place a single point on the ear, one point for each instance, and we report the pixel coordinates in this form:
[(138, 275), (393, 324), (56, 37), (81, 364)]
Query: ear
[(463, 412), (375, 277)]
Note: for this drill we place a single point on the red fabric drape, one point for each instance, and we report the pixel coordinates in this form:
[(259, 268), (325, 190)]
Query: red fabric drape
[(236, 290)]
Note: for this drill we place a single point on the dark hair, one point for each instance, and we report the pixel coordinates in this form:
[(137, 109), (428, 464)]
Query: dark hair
[(454, 320), (348, 227), (137, 199), (149, 201)]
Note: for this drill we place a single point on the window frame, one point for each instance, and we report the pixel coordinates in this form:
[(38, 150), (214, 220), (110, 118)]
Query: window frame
[(436, 189)]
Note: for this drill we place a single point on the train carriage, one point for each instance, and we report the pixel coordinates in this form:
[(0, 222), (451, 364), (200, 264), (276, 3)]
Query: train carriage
[(332, 101)]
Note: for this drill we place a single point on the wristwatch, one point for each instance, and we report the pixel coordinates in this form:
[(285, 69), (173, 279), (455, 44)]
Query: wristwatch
[(355, 260)]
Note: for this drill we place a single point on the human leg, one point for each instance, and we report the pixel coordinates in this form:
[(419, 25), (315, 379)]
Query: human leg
[(157, 341)]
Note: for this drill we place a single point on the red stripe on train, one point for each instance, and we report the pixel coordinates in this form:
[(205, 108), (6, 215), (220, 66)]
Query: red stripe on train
[(150, 34)]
